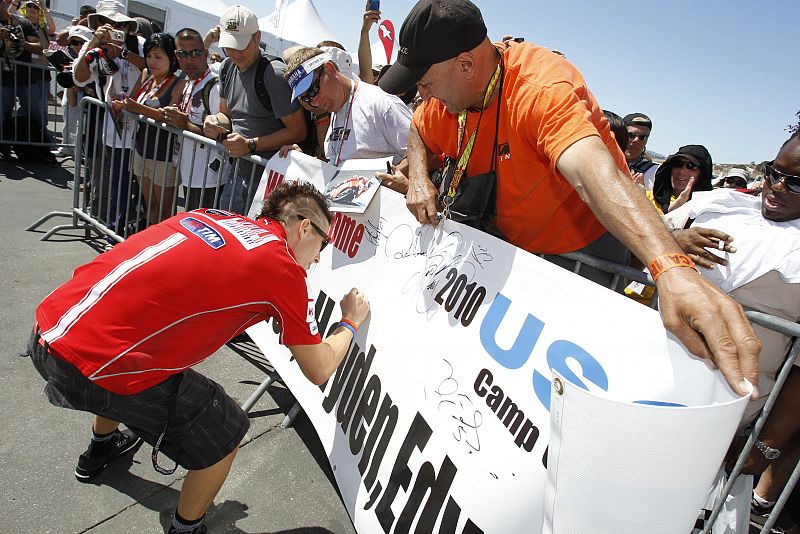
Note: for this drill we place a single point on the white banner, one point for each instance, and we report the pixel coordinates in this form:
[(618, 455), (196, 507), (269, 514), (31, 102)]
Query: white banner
[(438, 419)]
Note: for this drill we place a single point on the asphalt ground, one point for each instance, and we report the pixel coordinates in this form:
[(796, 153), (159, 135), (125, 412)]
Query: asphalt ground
[(280, 482)]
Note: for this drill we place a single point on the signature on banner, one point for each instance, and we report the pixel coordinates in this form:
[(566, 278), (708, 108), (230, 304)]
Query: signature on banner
[(447, 276), (457, 408)]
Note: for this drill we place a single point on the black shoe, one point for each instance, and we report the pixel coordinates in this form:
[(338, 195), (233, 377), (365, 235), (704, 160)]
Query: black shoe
[(758, 510), (198, 530), (90, 466)]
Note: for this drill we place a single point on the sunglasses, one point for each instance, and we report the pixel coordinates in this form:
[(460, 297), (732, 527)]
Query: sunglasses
[(183, 54), (685, 164), (736, 181), (774, 176), (325, 237), (76, 42), (632, 136), (314, 89)]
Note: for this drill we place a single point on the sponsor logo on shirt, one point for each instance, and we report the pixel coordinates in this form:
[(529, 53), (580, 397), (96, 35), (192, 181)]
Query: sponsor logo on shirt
[(219, 212), (211, 237), (311, 317), (337, 134), (504, 152), (248, 233)]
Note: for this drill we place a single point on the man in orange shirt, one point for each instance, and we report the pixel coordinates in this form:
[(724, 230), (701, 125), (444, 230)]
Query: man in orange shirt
[(562, 182)]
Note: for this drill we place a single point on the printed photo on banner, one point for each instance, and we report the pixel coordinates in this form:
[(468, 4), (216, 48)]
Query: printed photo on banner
[(351, 191)]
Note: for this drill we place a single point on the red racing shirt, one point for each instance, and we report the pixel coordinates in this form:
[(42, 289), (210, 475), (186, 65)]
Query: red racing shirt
[(168, 297)]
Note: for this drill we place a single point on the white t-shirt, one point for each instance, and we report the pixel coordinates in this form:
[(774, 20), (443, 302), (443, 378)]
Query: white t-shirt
[(762, 245), (122, 81), (377, 127), (197, 173)]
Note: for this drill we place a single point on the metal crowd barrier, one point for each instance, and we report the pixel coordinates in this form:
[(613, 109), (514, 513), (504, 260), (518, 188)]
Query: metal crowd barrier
[(104, 175), (106, 192), (30, 106)]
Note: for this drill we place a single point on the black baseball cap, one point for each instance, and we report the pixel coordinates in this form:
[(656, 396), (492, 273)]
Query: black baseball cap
[(637, 119), (434, 31)]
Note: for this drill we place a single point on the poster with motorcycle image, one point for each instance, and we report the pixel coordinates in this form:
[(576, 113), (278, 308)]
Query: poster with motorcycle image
[(350, 191)]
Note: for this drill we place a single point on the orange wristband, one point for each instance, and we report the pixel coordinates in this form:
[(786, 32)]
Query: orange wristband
[(665, 262)]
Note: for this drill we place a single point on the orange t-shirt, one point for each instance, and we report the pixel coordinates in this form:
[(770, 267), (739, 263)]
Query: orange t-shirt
[(546, 107)]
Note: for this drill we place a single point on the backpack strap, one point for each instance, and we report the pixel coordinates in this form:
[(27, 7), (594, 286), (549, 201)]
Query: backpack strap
[(205, 95), (260, 87), (224, 69)]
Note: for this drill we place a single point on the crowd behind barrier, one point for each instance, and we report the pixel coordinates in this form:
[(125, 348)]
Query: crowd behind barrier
[(111, 198)]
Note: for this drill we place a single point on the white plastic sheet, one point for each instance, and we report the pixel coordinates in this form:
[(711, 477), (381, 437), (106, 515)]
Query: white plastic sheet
[(615, 466)]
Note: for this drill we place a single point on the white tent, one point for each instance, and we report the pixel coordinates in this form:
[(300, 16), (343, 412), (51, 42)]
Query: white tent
[(293, 24), (201, 15)]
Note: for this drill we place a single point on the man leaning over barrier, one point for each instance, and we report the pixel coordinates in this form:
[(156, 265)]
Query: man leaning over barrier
[(255, 114), (560, 179), (119, 339), (200, 165)]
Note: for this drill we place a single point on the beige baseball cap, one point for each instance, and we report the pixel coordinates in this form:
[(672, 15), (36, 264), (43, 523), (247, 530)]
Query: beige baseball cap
[(237, 26)]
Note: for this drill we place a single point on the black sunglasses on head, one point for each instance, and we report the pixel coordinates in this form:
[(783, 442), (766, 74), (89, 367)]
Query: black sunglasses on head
[(183, 54), (325, 237), (774, 176), (314, 89)]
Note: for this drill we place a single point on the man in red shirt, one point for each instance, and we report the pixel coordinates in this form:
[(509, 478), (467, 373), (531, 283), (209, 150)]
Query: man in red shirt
[(562, 184), (119, 339)]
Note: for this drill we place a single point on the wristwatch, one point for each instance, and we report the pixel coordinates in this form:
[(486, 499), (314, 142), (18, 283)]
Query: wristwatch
[(252, 144), (124, 53), (768, 452)]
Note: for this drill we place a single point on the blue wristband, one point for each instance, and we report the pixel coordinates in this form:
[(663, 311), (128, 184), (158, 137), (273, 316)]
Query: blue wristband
[(349, 327)]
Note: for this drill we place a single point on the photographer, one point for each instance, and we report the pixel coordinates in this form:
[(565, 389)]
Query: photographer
[(113, 59), (18, 40)]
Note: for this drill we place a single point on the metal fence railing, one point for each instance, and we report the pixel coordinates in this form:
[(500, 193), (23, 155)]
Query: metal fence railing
[(112, 197), (131, 172), (31, 113)]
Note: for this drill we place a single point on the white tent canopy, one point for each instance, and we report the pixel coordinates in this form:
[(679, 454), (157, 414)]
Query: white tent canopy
[(201, 15), (293, 24)]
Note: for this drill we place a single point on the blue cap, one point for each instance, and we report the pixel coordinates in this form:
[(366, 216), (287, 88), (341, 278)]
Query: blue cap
[(300, 78)]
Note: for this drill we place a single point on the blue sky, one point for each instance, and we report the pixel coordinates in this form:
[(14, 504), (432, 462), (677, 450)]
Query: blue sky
[(722, 73)]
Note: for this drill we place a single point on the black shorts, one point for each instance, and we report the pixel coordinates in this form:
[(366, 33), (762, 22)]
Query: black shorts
[(207, 424)]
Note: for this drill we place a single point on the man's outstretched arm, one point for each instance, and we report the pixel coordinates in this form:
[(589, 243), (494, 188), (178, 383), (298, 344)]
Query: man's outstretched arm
[(709, 323)]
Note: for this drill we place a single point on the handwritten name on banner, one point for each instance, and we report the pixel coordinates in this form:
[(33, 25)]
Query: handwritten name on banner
[(437, 420)]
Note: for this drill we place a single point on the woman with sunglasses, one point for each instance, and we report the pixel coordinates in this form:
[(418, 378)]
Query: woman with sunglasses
[(152, 162), (682, 173)]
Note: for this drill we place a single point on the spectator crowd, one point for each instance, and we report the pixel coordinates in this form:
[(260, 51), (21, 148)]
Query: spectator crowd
[(548, 170)]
